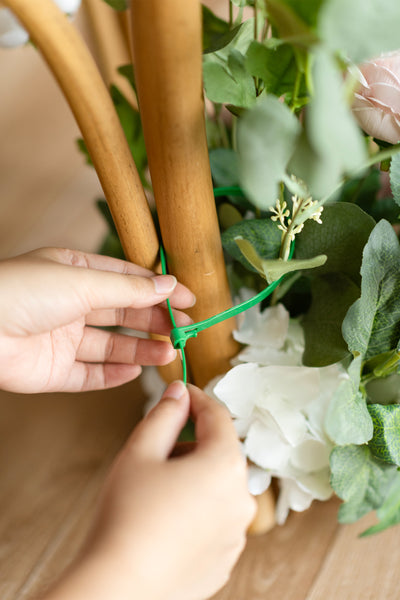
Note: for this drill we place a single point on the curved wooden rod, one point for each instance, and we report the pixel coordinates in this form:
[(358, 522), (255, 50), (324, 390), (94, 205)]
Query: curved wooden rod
[(78, 76)]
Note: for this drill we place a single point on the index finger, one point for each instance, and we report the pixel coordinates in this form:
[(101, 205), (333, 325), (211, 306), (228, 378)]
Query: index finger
[(181, 297), (213, 424)]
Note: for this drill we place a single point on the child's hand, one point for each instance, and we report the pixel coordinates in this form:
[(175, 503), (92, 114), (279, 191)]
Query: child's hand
[(51, 301), (168, 528)]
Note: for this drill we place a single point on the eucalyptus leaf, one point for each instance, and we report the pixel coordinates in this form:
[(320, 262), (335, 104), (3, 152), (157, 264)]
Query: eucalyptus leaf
[(389, 512), (348, 420), (263, 234), (333, 135), (344, 231), (266, 138), (361, 28), (230, 83), (224, 166), (395, 177), (275, 66), (372, 324), (360, 479), (272, 270), (332, 294), (385, 443)]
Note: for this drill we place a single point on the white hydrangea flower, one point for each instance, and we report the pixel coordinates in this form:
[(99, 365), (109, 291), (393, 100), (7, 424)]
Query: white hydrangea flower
[(12, 33), (271, 337), (279, 407)]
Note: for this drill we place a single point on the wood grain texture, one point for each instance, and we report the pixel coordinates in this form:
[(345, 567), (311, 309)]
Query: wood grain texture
[(168, 72)]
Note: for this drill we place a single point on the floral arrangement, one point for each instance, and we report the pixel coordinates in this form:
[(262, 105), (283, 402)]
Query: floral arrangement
[(303, 115)]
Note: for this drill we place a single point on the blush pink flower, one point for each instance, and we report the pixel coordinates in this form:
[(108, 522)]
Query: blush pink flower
[(377, 99)]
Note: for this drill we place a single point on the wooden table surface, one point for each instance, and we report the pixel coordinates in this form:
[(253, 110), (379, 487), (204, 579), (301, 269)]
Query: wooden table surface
[(55, 449)]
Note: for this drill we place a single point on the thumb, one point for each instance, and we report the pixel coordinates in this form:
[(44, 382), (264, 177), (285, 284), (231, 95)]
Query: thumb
[(156, 435)]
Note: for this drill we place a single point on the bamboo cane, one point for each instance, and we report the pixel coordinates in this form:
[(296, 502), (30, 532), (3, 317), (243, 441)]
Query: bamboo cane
[(83, 87), (112, 45), (167, 46)]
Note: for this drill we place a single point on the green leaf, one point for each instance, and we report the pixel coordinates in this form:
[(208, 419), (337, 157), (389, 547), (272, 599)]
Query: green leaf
[(263, 235), (117, 4), (275, 66), (389, 512), (359, 479), (348, 420), (344, 231), (361, 28), (132, 126), (332, 294), (266, 137), (289, 23), (230, 83), (242, 38), (228, 215), (395, 177), (333, 141), (385, 443), (216, 31), (372, 324), (129, 74), (272, 270), (307, 10), (224, 166), (82, 148), (106, 214)]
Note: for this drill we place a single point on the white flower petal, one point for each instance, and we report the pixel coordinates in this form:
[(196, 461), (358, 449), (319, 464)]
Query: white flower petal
[(298, 385), (292, 423), (258, 480), (291, 496), (12, 34), (68, 6), (310, 456), (266, 447), (239, 389), (317, 484), (268, 328)]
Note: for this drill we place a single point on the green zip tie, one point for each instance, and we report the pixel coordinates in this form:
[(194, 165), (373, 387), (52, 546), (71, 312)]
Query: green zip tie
[(180, 335)]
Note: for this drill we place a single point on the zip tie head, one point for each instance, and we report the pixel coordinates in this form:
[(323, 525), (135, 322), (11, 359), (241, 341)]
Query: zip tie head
[(180, 335)]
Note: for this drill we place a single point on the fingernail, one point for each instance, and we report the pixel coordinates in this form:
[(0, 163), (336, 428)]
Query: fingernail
[(193, 301), (176, 389), (164, 284)]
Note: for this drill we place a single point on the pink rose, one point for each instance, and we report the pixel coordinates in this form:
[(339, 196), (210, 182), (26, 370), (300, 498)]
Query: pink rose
[(377, 100)]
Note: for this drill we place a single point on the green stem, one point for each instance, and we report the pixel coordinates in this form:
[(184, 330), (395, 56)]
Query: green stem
[(296, 88), (230, 14), (287, 235), (239, 17)]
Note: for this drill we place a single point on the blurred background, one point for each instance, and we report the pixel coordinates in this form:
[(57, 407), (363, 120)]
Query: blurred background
[(47, 193)]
